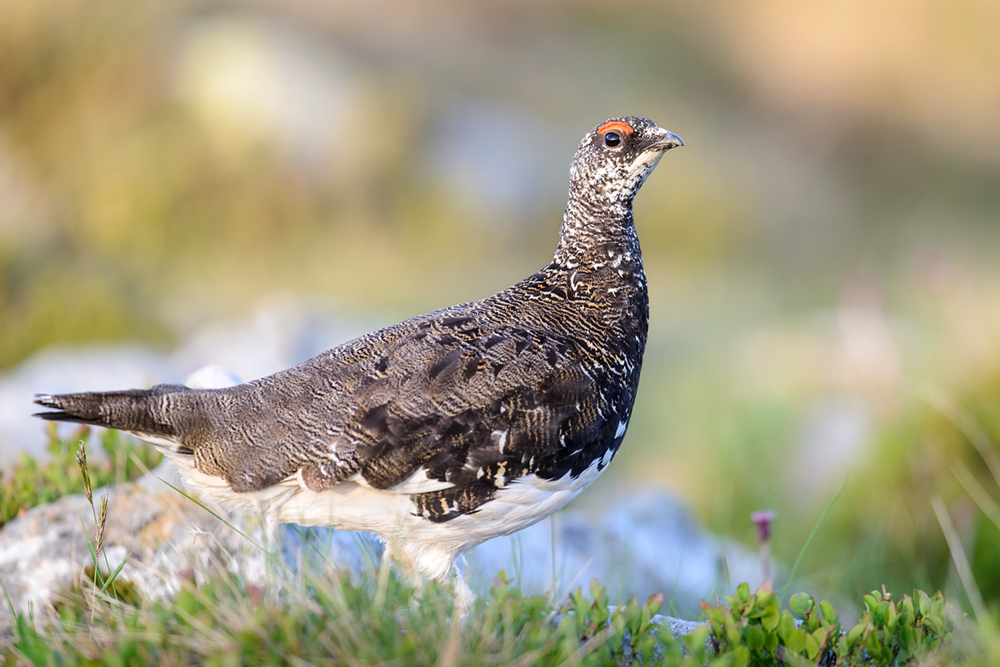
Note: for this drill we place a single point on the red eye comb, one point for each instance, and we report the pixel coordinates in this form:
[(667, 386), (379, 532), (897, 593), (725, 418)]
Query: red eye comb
[(615, 126)]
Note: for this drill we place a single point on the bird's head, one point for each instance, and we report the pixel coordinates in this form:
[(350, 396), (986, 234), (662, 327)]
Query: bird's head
[(615, 158)]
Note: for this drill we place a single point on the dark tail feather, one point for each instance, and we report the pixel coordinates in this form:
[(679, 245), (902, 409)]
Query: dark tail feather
[(138, 411)]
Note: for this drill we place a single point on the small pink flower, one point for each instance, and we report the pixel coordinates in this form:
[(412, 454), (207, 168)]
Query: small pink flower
[(763, 522)]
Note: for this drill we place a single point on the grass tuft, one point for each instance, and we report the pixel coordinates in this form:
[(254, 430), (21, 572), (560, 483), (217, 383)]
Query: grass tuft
[(31, 483)]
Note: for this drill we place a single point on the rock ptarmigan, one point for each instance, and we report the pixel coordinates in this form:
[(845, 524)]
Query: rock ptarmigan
[(450, 428)]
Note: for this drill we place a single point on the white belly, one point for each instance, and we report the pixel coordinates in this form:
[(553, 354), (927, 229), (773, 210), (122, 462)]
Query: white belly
[(410, 539)]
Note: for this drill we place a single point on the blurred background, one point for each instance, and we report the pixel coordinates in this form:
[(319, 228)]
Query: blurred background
[(822, 255)]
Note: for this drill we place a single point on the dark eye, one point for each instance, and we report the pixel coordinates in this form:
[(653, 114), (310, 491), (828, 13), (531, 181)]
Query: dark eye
[(612, 139)]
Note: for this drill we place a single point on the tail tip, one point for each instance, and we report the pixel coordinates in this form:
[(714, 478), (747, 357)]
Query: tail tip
[(54, 415), (47, 400), (61, 409)]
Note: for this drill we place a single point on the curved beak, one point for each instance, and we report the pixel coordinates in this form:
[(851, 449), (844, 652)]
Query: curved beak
[(669, 140)]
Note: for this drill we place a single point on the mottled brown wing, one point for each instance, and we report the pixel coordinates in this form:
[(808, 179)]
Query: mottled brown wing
[(457, 403)]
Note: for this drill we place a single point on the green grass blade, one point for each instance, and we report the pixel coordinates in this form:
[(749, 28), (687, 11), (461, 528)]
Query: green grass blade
[(237, 530), (98, 578), (313, 546), (366, 549), (802, 551), (959, 558), (114, 574)]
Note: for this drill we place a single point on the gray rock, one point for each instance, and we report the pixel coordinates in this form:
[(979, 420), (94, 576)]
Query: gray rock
[(167, 537)]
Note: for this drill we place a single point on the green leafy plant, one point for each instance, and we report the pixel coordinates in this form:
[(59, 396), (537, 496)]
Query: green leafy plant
[(899, 633), (754, 628), (607, 635)]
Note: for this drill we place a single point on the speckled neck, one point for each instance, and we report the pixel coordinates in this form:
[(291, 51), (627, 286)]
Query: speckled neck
[(591, 229)]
